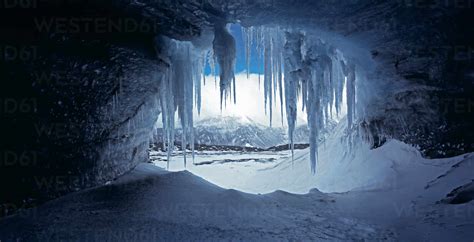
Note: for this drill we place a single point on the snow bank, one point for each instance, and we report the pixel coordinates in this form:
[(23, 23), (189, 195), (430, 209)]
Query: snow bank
[(343, 168)]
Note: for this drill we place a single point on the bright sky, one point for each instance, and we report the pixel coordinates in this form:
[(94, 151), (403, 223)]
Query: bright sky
[(250, 102), (250, 97)]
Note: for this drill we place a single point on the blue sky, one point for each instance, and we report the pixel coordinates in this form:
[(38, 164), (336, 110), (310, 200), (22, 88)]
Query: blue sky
[(241, 64)]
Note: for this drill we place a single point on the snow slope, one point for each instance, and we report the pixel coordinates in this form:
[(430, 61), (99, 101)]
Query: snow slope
[(341, 167), (390, 193), (393, 186), (150, 204)]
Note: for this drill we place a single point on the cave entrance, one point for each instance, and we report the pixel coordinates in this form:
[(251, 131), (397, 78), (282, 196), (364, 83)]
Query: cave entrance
[(236, 136)]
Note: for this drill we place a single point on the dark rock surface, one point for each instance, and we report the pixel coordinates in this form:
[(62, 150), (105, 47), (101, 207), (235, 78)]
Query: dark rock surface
[(83, 104)]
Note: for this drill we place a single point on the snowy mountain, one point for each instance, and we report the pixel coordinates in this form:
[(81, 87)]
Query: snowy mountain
[(234, 131), (244, 132)]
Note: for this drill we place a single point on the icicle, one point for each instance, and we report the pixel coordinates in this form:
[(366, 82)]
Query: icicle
[(274, 48), (314, 113), (204, 64), (212, 63), (350, 74), (225, 51), (258, 44), (198, 69), (180, 91), (339, 81), (215, 68), (280, 80), (293, 58), (267, 83), (247, 36), (168, 109), (235, 91)]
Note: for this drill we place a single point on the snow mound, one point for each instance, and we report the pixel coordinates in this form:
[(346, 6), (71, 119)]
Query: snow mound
[(358, 168), (149, 204)]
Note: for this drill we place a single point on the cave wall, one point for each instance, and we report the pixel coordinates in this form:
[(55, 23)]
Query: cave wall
[(79, 105)]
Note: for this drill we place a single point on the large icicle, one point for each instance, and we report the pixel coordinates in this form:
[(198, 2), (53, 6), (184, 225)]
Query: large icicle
[(168, 107), (316, 73), (338, 80), (314, 113), (180, 90), (197, 72), (267, 80), (225, 52), (350, 74), (247, 35), (184, 96), (280, 78), (269, 43), (317, 62), (293, 64)]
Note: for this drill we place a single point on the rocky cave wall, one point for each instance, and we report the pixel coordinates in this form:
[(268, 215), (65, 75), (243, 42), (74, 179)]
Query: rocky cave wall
[(80, 104), (79, 101)]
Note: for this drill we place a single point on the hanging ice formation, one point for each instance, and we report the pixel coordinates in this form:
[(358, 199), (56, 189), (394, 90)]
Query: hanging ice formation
[(296, 66), (314, 72), (225, 53), (350, 74), (180, 89), (292, 65)]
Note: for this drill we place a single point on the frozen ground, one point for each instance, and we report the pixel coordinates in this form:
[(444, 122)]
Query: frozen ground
[(229, 170), (150, 204), (390, 193)]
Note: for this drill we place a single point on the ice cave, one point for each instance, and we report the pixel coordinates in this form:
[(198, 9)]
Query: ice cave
[(253, 120)]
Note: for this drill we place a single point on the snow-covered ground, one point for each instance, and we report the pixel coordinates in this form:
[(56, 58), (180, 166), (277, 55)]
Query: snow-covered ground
[(229, 170), (340, 168), (150, 204), (392, 185), (390, 193)]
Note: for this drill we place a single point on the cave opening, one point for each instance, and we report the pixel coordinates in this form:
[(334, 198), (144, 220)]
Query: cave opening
[(251, 117)]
